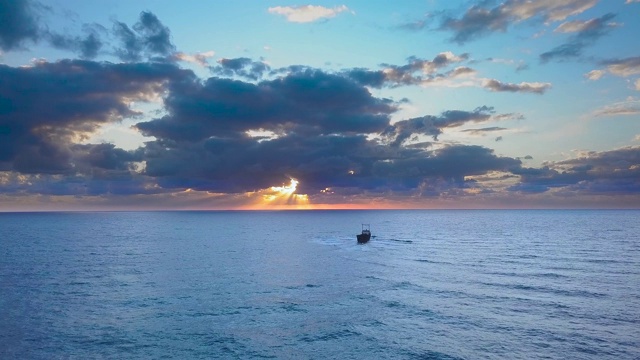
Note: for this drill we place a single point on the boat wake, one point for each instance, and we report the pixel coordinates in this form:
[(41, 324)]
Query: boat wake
[(400, 241)]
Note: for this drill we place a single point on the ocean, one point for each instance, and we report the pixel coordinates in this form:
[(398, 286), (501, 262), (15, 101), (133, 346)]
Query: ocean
[(455, 284)]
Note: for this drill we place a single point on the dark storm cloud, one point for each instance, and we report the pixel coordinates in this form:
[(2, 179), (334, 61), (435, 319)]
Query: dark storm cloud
[(18, 24), (321, 126), (45, 107), (320, 121), (308, 101), (148, 38), (245, 164), (104, 156), (615, 171), (586, 34), (451, 162), (318, 162), (242, 67)]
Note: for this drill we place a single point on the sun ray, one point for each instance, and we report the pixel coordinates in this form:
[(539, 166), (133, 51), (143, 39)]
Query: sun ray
[(281, 197)]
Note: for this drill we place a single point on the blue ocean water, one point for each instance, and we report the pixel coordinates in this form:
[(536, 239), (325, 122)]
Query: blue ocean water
[(295, 285)]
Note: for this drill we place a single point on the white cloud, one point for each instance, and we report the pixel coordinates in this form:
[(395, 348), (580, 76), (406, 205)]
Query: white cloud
[(632, 1), (594, 74), (519, 65), (638, 84), (552, 10), (625, 67), (575, 26), (441, 60), (197, 58), (307, 13), (619, 67), (630, 106), (528, 87)]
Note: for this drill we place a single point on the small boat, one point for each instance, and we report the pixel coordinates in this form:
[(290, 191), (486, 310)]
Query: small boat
[(365, 235)]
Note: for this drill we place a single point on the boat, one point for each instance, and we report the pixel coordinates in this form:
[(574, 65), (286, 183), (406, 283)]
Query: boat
[(365, 235)]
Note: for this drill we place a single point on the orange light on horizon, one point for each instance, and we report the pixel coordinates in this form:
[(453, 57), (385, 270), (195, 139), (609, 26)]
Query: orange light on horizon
[(286, 189), (282, 197)]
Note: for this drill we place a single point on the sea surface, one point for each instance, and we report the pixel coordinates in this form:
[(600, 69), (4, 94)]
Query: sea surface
[(454, 284)]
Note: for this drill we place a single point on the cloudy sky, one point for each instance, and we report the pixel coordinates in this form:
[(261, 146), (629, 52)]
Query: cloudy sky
[(127, 105)]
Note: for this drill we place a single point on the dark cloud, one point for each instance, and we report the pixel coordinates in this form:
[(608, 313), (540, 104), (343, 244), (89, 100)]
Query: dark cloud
[(241, 67), (476, 22), (366, 77), (586, 34), (452, 163), (306, 102), (318, 162), (320, 121), (131, 46), (318, 130), (148, 38), (104, 156), (98, 169), (122, 183), (245, 164), (18, 24), (432, 125), (615, 171), (87, 46), (46, 107), (156, 36)]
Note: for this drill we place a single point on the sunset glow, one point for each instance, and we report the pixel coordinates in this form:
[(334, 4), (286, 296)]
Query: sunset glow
[(278, 197), (286, 189)]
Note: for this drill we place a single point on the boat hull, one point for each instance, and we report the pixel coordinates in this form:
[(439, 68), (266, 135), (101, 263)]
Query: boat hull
[(363, 238)]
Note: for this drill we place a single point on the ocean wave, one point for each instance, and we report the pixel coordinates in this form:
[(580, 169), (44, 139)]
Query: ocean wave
[(548, 290)]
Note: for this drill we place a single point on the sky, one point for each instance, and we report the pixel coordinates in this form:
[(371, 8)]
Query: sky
[(206, 105)]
